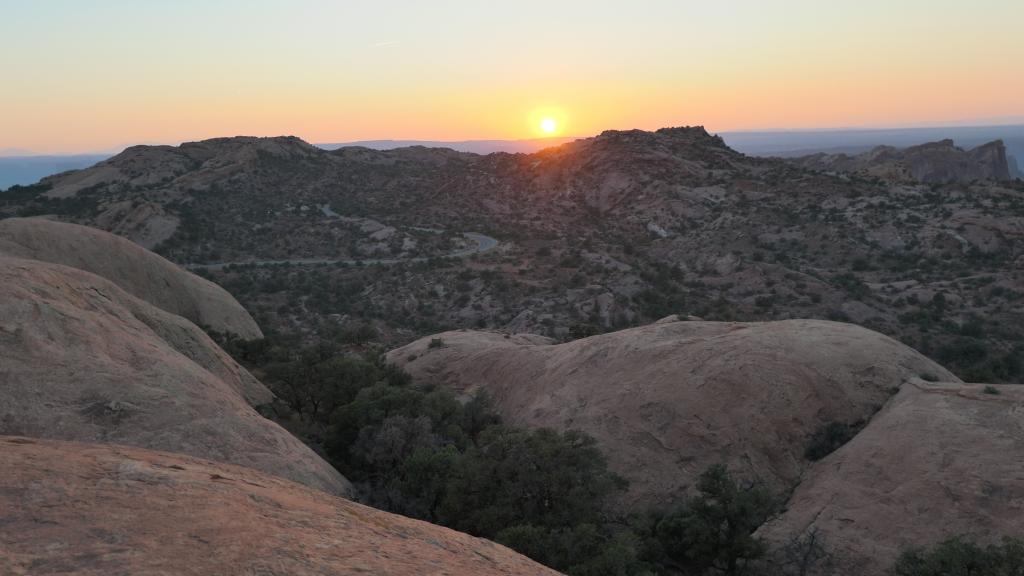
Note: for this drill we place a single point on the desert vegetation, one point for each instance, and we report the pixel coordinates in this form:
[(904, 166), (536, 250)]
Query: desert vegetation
[(423, 452)]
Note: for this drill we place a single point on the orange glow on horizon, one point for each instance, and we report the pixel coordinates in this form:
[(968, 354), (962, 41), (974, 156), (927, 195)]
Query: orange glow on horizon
[(338, 72)]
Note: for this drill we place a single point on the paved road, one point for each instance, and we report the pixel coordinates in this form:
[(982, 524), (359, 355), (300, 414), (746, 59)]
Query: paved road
[(484, 243)]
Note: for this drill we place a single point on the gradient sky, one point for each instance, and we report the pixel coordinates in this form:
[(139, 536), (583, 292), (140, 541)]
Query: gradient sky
[(81, 75)]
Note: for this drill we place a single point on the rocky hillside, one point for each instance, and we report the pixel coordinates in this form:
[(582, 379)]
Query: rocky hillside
[(96, 510), (934, 162), (599, 234), (668, 400)]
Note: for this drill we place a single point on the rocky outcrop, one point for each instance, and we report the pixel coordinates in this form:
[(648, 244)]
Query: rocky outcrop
[(938, 161), (85, 360), (940, 460), (135, 269), (667, 400), (97, 510)]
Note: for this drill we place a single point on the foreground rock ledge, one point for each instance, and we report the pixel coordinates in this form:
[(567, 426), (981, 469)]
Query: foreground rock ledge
[(98, 510)]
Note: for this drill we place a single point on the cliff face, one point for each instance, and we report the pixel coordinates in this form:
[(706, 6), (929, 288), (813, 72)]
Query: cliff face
[(933, 162)]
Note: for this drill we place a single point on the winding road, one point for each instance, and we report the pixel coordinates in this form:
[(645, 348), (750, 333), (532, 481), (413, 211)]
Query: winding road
[(484, 244)]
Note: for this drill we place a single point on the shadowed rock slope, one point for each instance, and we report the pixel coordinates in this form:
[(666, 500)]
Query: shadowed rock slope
[(667, 400), (135, 269), (99, 510), (940, 460), (84, 360)]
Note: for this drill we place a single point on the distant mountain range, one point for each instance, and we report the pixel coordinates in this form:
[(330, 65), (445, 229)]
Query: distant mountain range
[(19, 167), (474, 146), (789, 143)]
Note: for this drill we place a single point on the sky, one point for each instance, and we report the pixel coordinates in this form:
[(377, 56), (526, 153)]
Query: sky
[(96, 75)]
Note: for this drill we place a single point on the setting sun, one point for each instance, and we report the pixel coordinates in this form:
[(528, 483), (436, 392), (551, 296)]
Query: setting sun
[(548, 120)]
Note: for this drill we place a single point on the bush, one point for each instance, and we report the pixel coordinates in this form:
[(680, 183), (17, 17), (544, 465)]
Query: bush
[(714, 530), (422, 453), (959, 557), (513, 477)]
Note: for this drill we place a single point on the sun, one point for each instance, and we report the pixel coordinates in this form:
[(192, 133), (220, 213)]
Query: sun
[(547, 121)]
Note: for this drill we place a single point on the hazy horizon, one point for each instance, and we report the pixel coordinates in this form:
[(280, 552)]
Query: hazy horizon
[(18, 152), (95, 76)]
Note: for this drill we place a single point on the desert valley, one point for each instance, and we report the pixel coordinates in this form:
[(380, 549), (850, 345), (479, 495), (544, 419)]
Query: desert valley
[(458, 288), (586, 353)]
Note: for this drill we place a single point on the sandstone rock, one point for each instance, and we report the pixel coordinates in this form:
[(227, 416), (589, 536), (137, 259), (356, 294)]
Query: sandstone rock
[(84, 360), (940, 460), (667, 400), (133, 268), (97, 510)]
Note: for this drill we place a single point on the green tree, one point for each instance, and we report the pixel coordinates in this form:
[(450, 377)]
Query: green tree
[(959, 557), (512, 477), (714, 530)]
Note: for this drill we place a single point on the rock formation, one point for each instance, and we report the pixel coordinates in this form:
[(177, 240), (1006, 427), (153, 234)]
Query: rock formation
[(96, 510), (85, 360), (133, 268), (667, 400), (940, 460)]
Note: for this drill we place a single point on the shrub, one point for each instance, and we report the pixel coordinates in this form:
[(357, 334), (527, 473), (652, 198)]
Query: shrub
[(959, 557), (714, 530)]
